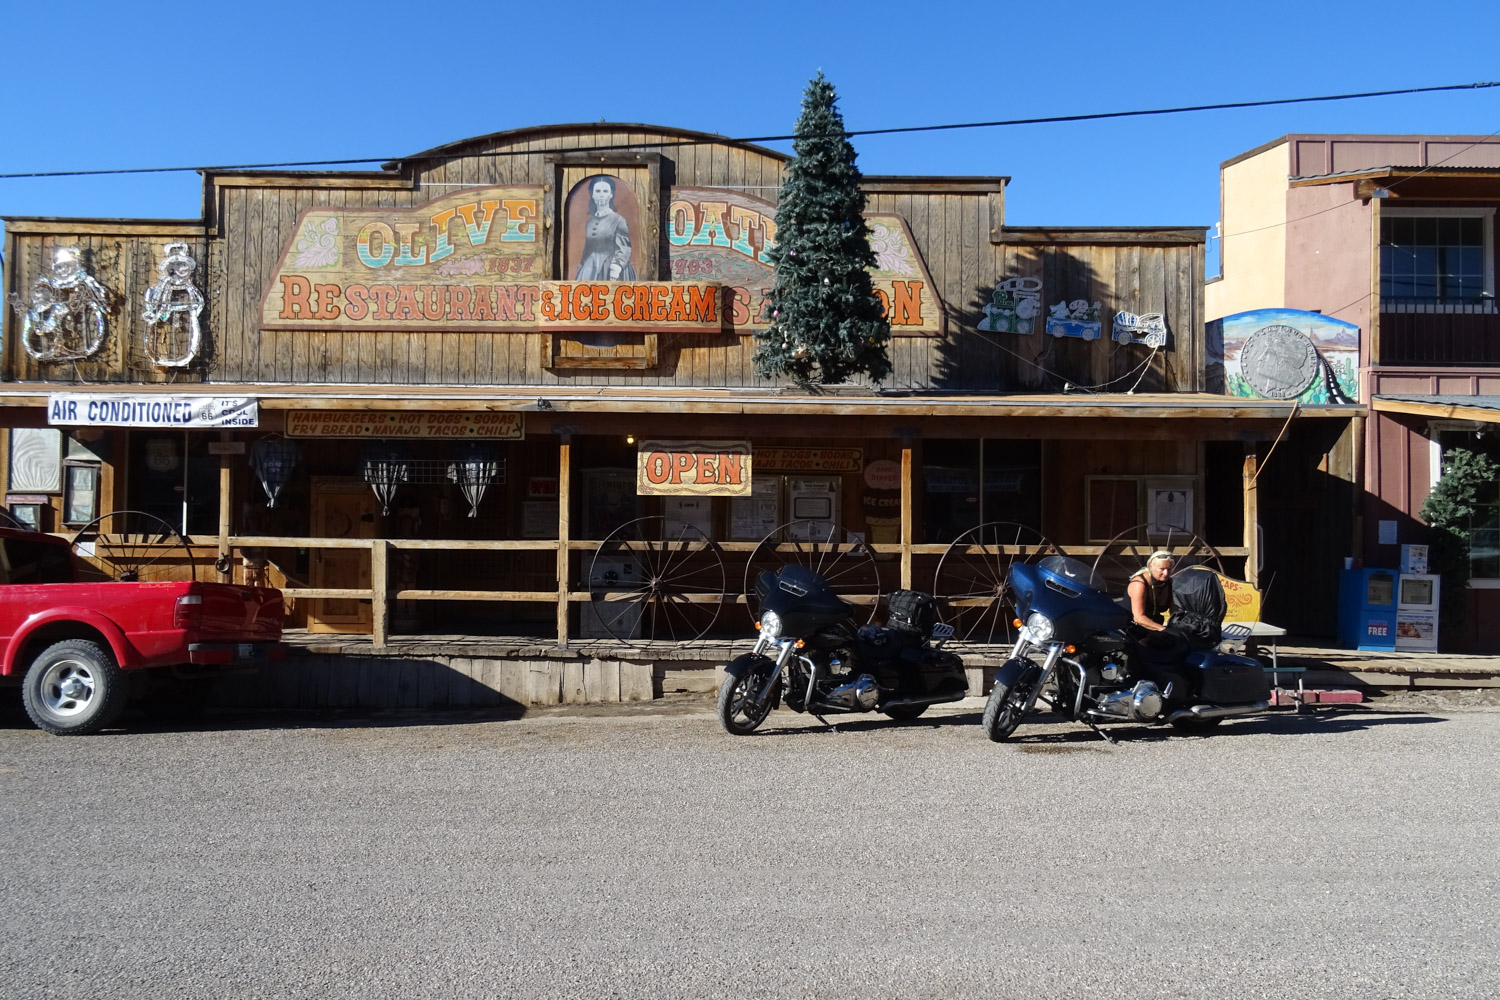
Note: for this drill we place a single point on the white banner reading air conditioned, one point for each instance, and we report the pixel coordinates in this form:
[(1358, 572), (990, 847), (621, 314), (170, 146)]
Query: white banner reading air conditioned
[(81, 409)]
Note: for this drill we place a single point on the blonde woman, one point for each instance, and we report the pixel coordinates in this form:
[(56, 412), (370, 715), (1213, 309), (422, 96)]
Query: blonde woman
[(1150, 591)]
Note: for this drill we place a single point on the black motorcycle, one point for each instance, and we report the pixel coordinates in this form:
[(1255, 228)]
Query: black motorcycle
[(810, 656), (1097, 666)]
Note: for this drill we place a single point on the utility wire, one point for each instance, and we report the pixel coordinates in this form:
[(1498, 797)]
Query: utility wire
[(672, 143)]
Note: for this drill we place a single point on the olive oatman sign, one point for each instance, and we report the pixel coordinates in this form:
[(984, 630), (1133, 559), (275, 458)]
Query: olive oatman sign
[(474, 260)]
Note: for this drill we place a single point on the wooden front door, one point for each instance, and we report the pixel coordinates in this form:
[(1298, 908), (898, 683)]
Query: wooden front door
[(341, 508)]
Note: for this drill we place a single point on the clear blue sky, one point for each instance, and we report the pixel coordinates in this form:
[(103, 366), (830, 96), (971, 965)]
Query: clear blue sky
[(94, 85)]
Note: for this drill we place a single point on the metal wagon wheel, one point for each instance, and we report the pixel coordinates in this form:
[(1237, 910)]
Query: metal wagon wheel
[(131, 546), (647, 584), (849, 567), (972, 583), (1127, 552)]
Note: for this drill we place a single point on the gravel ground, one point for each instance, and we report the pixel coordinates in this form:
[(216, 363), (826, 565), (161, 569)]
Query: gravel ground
[(638, 851)]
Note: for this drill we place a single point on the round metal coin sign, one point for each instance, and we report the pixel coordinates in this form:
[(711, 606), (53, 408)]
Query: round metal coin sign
[(1279, 362)]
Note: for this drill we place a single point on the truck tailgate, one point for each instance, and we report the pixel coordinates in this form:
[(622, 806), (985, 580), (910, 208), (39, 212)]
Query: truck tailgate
[(240, 614)]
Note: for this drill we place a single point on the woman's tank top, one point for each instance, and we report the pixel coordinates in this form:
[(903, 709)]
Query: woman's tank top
[(1158, 595)]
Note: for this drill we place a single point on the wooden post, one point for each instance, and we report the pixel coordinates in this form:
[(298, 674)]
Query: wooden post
[(380, 584), (226, 506), (564, 494), (1252, 536), (1372, 322), (906, 517), (1357, 543)]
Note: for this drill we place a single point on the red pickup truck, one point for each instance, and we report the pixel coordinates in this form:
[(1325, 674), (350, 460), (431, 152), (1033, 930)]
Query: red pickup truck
[(74, 643)]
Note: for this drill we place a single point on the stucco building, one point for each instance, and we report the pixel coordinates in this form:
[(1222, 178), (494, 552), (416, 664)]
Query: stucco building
[(1394, 235)]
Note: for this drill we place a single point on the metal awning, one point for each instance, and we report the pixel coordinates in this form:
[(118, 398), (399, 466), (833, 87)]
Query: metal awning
[(1444, 406)]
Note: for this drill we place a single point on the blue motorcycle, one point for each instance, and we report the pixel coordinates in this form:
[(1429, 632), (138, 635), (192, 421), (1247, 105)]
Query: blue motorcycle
[(1079, 652)]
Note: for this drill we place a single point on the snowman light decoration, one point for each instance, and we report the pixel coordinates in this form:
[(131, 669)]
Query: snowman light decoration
[(65, 319), (171, 311)]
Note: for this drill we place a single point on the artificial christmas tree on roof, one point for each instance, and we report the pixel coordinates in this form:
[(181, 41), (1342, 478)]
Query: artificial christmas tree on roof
[(826, 321)]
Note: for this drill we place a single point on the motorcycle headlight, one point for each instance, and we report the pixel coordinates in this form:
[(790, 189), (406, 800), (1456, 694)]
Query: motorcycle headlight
[(770, 626), (1040, 626)]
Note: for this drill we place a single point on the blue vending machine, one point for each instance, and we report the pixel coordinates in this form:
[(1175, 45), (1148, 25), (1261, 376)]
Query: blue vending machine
[(1367, 608)]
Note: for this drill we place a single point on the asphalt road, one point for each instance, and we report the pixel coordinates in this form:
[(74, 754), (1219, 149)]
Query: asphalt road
[(640, 852)]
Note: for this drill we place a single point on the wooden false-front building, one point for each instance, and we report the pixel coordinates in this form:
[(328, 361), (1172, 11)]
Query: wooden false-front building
[(505, 387)]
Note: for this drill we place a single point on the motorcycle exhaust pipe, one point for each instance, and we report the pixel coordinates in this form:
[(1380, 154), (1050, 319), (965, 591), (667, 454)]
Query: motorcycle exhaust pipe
[(1213, 712), (860, 695)]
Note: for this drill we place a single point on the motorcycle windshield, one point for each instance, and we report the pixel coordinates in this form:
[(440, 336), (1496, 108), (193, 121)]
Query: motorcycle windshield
[(1078, 572), (802, 598), (1067, 592)]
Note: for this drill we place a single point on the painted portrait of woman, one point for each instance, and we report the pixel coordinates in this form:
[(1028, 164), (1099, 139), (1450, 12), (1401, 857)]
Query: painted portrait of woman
[(605, 233)]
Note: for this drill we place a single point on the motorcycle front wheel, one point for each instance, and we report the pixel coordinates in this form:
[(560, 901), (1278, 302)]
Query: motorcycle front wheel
[(1002, 713), (739, 713)]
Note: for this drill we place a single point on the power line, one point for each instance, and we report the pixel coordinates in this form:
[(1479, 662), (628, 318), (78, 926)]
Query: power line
[(1049, 120)]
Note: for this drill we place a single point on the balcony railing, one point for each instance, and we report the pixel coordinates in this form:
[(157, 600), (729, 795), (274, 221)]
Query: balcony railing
[(1397, 304), (1433, 332)]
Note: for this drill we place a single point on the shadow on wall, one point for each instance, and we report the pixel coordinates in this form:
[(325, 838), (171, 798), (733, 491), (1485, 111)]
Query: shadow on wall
[(1000, 340), (1306, 515)]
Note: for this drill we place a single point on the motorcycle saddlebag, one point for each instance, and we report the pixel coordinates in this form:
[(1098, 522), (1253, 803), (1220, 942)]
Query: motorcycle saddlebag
[(1228, 680), (933, 671), (912, 611)]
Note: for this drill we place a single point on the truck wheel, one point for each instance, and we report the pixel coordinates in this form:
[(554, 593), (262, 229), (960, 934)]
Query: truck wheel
[(74, 687)]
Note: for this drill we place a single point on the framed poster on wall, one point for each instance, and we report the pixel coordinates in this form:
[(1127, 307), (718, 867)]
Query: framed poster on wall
[(1170, 507), (80, 492), (28, 513), (688, 517), (756, 516)]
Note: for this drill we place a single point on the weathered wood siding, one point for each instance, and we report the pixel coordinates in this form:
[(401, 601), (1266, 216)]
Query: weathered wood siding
[(958, 228)]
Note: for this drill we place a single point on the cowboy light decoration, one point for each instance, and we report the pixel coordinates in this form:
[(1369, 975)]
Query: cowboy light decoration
[(65, 319), (172, 334)]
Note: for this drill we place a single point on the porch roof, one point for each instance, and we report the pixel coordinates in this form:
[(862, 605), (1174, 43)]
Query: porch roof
[(838, 401), (1451, 406)]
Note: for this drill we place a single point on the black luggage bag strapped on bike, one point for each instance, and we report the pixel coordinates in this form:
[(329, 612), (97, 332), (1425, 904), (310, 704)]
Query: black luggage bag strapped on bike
[(912, 611), (1198, 606)]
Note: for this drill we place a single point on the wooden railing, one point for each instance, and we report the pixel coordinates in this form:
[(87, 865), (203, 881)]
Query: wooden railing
[(380, 595)]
